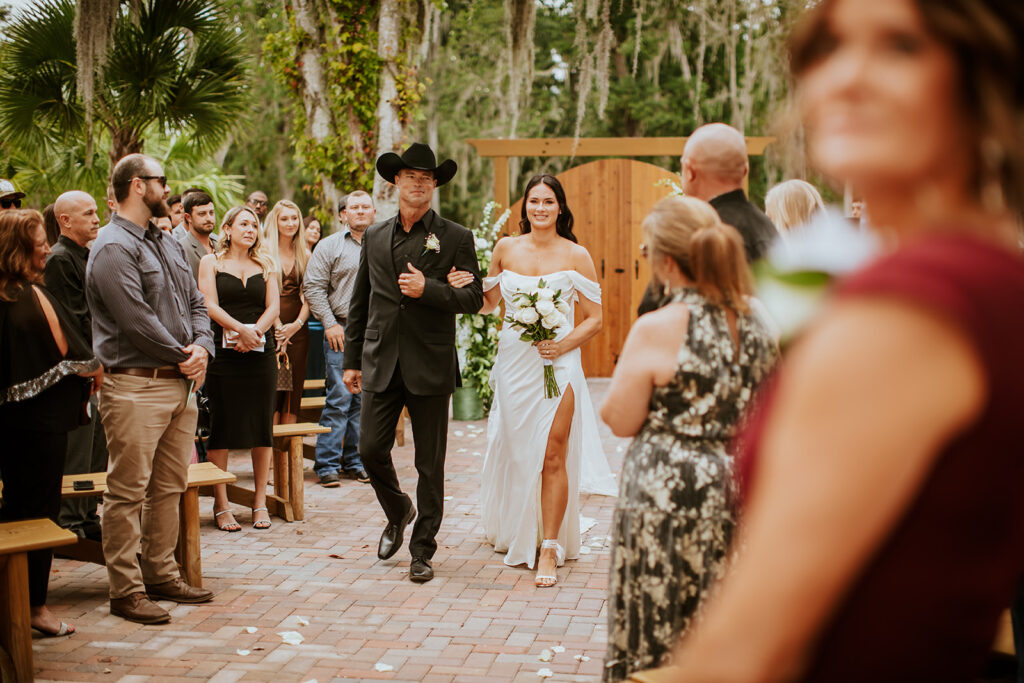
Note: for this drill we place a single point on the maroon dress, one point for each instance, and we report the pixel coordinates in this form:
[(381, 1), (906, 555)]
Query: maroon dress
[(925, 607)]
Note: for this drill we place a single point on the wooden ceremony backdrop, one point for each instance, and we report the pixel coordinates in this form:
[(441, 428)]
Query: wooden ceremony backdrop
[(609, 199)]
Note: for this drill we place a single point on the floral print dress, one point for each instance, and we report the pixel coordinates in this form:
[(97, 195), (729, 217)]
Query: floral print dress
[(675, 514)]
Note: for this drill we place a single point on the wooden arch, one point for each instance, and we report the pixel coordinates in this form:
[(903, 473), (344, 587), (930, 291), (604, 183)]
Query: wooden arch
[(609, 199)]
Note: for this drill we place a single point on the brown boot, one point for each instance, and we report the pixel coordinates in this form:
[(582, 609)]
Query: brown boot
[(138, 608), (178, 591)]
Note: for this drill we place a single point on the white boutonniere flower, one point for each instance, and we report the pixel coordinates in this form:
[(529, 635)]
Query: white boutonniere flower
[(798, 272), (432, 244)]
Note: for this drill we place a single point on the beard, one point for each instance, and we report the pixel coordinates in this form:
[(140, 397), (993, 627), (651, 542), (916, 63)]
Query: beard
[(202, 228), (157, 205)]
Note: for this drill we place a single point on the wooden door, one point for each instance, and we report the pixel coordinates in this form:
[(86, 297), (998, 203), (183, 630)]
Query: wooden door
[(609, 199)]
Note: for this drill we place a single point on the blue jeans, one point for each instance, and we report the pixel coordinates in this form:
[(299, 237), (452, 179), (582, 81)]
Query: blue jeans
[(337, 450)]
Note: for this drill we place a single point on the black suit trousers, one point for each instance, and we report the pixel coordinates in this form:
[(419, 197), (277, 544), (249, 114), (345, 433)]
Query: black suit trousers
[(429, 417)]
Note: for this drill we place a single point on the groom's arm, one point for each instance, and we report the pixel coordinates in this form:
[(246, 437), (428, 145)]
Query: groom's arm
[(358, 308), (468, 299)]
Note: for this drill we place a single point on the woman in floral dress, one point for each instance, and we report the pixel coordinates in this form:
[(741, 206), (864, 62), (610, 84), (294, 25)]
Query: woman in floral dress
[(686, 375)]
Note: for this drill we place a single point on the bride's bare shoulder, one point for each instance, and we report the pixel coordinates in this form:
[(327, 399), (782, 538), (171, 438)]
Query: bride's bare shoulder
[(582, 262)]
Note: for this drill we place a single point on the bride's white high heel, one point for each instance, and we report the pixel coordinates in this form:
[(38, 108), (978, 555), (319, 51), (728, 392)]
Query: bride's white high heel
[(548, 580)]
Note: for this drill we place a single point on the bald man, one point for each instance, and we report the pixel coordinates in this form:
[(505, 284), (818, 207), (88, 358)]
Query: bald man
[(79, 224), (714, 166)]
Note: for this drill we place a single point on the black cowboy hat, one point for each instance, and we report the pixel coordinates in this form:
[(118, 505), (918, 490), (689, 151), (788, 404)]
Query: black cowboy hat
[(419, 157)]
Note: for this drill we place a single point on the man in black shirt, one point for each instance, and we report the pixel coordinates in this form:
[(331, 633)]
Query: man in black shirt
[(714, 166), (65, 278), (400, 345)]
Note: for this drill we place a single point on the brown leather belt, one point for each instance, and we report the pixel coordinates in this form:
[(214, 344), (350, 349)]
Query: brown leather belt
[(154, 373)]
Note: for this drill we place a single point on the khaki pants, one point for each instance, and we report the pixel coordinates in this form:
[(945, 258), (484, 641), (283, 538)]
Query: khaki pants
[(150, 426)]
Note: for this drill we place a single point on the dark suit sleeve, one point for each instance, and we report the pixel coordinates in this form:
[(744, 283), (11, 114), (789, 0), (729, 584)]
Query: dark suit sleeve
[(358, 309), (62, 281), (651, 300), (468, 299)]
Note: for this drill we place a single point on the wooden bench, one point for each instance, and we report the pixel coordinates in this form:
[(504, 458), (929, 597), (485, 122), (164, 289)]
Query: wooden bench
[(187, 553), (288, 499), (17, 539), (314, 405), (314, 384)]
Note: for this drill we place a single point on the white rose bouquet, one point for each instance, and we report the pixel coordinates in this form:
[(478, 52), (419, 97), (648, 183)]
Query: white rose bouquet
[(539, 313)]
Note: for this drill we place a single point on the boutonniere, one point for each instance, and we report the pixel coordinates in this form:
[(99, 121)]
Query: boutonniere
[(431, 244)]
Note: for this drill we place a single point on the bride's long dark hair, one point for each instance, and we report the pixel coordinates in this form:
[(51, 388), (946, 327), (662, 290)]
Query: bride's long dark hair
[(563, 224)]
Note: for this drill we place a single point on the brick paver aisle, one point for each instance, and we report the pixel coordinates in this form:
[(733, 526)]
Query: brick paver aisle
[(358, 617)]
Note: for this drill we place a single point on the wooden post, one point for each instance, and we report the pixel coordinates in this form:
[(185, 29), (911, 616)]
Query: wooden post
[(187, 552), (501, 191), (16, 630), (296, 494)]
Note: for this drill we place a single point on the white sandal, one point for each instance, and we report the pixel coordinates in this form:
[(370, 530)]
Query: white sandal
[(549, 580)]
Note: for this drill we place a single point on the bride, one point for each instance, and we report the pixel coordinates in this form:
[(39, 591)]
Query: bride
[(541, 452)]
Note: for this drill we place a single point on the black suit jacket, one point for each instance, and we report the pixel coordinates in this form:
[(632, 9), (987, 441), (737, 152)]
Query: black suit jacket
[(384, 327), (756, 229), (754, 226)]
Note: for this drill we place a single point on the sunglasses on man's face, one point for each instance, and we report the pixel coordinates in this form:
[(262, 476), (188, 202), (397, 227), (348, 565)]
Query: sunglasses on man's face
[(8, 203), (161, 178)]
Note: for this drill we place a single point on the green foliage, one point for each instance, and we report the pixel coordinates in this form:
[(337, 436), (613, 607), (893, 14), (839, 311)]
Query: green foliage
[(261, 149), (477, 333), (44, 173), (351, 66), (175, 66)]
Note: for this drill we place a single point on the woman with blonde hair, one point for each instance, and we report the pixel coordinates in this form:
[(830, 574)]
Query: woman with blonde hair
[(792, 203), (240, 286), (287, 245), (686, 375)]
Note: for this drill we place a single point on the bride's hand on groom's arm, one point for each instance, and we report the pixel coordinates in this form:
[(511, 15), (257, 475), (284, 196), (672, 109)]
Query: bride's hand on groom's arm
[(459, 278)]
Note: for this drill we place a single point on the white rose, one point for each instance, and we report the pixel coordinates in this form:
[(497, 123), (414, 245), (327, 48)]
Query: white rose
[(528, 316), (545, 294), (562, 307), (552, 321), (545, 307)]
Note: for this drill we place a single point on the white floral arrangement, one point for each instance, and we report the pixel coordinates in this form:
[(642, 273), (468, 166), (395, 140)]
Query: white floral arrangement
[(476, 334), (801, 267), (539, 313)]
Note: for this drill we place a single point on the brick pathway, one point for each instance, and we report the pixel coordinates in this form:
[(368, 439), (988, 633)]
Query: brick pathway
[(359, 618)]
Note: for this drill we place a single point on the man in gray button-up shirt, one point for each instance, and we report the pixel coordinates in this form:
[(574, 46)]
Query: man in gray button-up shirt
[(330, 277), (152, 332)]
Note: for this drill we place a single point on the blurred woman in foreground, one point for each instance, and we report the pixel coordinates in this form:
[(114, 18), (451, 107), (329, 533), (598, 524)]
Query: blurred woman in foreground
[(883, 524), (686, 375)]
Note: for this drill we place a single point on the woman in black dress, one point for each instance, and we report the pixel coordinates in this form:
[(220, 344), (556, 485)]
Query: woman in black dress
[(47, 372), (241, 291)]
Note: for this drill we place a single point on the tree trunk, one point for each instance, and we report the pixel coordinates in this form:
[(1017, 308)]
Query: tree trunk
[(730, 53), (320, 124), (390, 131), (122, 143)]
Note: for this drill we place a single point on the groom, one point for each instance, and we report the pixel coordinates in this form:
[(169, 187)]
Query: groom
[(400, 345)]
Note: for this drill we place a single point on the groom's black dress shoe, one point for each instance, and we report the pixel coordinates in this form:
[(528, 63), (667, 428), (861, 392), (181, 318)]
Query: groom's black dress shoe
[(420, 570), (391, 539)]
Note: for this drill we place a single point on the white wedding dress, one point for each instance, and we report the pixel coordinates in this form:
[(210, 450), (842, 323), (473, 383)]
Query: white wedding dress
[(518, 426)]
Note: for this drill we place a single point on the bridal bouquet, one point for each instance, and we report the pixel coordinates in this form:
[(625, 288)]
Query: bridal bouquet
[(539, 313)]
